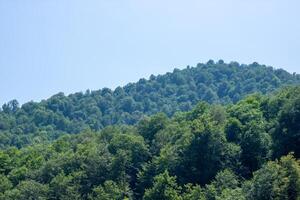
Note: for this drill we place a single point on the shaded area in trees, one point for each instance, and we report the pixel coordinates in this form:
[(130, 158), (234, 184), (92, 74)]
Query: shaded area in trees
[(180, 90), (213, 152)]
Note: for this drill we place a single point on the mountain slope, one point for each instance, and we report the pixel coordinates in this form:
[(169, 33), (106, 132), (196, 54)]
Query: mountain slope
[(169, 93), (240, 151)]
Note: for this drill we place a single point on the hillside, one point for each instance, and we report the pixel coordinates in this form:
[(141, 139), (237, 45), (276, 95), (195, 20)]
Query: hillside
[(177, 91), (241, 151)]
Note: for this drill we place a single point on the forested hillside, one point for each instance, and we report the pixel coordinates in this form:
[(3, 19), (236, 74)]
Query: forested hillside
[(248, 150), (177, 91)]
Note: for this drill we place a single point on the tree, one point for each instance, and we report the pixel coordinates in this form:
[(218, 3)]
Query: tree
[(206, 153), (233, 130), (127, 104), (214, 82), (148, 127), (256, 147), (225, 185), (247, 127), (193, 192), (62, 187), (131, 152), (286, 136), (275, 180), (11, 107), (28, 190), (231, 194), (5, 184), (292, 167), (110, 190), (164, 188), (225, 179), (95, 161), (5, 162)]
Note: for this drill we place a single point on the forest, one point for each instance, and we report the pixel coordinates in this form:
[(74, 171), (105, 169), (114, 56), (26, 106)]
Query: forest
[(212, 132), (179, 91)]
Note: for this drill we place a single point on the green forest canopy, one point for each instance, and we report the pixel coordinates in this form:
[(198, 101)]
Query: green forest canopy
[(248, 150), (180, 90)]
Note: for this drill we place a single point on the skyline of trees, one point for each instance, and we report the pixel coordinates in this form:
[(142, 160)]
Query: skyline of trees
[(211, 152), (181, 90)]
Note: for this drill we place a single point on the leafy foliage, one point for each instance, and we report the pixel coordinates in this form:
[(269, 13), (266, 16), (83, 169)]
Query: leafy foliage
[(194, 134), (212, 152), (34, 123)]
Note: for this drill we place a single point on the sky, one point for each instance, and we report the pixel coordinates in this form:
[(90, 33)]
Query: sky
[(51, 46)]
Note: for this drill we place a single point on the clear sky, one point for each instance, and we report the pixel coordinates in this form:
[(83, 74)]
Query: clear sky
[(48, 46)]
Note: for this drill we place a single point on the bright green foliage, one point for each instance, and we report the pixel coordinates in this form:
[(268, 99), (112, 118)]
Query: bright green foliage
[(233, 130), (225, 185), (225, 180), (287, 132), (64, 187), (207, 153), (130, 153), (28, 190), (248, 128), (193, 193), (164, 188), (35, 123), (211, 152), (292, 168), (5, 162), (276, 180), (231, 194), (110, 190), (148, 127), (5, 184)]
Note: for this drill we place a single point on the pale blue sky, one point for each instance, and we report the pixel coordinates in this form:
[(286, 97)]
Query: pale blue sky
[(48, 46)]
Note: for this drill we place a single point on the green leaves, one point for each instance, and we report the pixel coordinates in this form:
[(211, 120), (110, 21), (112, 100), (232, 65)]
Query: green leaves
[(110, 190), (28, 189), (212, 152), (64, 187), (177, 91), (5, 184), (287, 134), (164, 188), (276, 180)]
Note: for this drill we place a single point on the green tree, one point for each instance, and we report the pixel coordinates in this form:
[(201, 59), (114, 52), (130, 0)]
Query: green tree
[(207, 152), (150, 126), (28, 190), (275, 180), (193, 192), (110, 190), (231, 194), (5, 184), (286, 136), (164, 188), (63, 187)]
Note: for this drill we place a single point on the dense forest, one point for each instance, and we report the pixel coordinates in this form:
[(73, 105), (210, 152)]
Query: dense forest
[(247, 150), (181, 90)]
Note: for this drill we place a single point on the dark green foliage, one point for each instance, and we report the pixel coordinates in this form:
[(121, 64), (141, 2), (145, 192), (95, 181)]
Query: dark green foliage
[(275, 180), (212, 152), (164, 188), (225, 185), (248, 128), (110, 190), (28, 189), (287, 133), (5, 184), (207, 153), (242, 151), (148, 127), (33, 123)]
